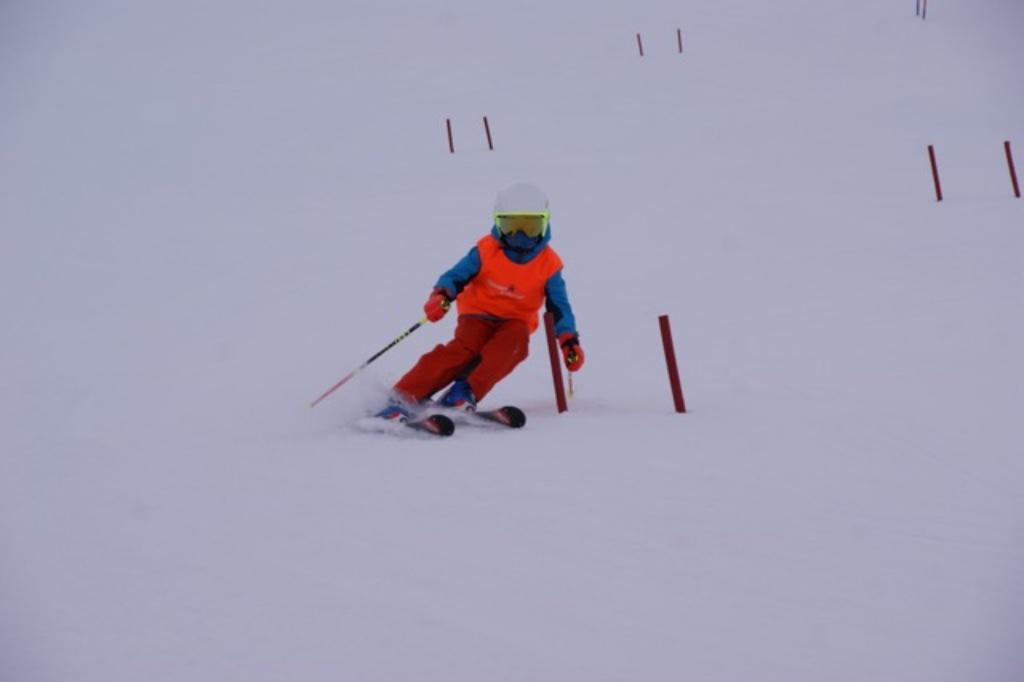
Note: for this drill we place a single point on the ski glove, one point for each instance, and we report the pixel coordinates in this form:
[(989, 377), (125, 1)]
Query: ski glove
[(437, 305), (572, 351)]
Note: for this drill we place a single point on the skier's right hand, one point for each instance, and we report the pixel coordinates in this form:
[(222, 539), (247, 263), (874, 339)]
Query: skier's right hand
[(437, 305)]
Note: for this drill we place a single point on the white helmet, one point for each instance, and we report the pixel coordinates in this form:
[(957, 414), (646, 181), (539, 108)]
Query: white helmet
[(522, 208), (521, 198)]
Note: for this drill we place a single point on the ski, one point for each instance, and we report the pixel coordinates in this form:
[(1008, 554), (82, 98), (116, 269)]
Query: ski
[(509, 416), (434, 424)]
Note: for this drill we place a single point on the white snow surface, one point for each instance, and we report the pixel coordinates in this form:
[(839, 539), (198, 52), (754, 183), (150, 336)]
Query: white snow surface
[(211, 211)]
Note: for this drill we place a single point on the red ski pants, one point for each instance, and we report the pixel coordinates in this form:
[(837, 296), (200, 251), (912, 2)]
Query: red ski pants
[(497, 346)]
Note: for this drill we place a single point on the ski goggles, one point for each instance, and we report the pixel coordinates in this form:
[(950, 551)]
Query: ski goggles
[(530, 224)]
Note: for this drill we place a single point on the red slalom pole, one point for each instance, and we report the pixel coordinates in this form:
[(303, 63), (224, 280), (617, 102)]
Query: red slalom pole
[(679, 39), (556, 367), (1013, 169), (451, 142), (935, 173), (640, 44), (487, 129), (673, 368)]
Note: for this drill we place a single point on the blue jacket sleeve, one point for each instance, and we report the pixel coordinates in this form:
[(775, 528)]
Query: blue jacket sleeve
[(558, 304), (456, 279)]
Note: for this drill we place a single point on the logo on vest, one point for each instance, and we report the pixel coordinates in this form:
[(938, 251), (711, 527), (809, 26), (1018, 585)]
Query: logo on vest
[(505, 291)]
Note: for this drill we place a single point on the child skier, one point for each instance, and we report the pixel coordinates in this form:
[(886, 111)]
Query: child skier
[(499, 287)]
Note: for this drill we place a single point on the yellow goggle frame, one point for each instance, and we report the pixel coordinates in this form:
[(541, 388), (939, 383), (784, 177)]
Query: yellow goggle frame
[(530, 224)]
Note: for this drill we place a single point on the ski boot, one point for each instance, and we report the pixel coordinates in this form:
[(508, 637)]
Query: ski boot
[(398, 409), (459, 396)]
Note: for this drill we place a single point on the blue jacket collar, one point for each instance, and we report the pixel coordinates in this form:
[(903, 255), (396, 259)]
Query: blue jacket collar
[(516, 256)]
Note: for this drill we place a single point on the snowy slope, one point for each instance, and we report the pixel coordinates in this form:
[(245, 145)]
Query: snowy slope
[(212, 211)]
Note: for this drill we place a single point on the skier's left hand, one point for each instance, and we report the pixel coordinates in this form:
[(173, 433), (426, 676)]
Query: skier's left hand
[(572, 351)]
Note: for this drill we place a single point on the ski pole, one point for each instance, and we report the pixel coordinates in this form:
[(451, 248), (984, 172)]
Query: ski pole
[(363, 366)]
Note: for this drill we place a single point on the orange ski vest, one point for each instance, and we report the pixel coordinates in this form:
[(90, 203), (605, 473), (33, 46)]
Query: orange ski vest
[(507, 289)]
